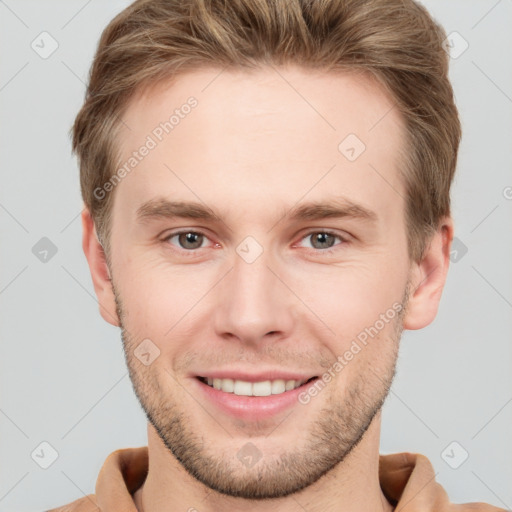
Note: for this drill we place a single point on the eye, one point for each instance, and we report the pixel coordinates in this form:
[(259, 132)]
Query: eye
[(188, 240), (324, 240)]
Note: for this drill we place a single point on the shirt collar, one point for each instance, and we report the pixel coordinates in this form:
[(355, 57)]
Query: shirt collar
[(405, 479)]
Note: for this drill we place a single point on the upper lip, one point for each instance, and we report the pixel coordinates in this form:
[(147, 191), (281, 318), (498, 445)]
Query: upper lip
[(255, 377)]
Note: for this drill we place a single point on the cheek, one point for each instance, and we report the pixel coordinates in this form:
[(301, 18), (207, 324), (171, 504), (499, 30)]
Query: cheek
[(367, 352), (157, 295), (350, 298)]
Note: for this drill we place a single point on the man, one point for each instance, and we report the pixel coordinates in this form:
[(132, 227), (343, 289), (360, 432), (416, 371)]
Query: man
[(267, 192)]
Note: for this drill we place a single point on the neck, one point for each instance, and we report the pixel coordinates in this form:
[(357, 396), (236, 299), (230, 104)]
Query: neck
[(351, 485)]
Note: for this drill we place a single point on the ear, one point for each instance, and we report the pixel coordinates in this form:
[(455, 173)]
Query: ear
[(428, 277), (99, 270)]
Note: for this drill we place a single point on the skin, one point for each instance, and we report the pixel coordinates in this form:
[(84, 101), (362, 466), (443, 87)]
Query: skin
[(256, 145)]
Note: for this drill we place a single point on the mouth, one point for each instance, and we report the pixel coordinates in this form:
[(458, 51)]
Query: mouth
[(255, 389), (253, 400)]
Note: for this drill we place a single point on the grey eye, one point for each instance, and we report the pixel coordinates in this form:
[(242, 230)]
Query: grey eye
[(189, 239), (322, 240)]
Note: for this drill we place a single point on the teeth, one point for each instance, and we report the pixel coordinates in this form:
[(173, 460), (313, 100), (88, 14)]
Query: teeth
[(279, 386), (241, 388), (290, 384), (264, 388)]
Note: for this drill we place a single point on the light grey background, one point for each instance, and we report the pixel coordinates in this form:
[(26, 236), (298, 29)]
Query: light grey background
[(63, 377)]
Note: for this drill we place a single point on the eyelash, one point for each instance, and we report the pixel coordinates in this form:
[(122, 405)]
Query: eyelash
[(192, 252)]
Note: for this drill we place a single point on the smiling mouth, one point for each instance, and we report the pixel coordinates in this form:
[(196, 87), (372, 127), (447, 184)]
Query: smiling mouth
[(262, 388)]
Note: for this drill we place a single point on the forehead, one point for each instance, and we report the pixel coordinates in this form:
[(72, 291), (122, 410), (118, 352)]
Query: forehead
[(298, 130)]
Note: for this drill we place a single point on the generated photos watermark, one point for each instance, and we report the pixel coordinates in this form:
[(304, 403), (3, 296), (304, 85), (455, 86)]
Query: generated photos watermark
[(356, 346), (156, 136)]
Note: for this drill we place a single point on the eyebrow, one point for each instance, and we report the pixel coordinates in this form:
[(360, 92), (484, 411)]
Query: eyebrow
[(160, 208)]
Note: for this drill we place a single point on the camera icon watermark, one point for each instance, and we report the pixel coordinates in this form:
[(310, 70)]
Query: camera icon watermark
[(146, 352), (249, 455), (455, 45), (351, 147), (44, 455), (45, 45), (44, 250), (249, 249), (454, 455), (458, 250)]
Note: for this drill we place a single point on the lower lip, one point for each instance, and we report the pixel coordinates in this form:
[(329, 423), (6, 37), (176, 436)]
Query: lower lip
[(252, 408)]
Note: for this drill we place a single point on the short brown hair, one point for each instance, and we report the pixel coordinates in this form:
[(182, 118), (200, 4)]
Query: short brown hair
[(396, 41)]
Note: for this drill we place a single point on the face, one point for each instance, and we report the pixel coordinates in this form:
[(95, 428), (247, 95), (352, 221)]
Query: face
[(291, 264)]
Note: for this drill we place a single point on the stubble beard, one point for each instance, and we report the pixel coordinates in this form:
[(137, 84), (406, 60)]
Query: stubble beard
[(339, 427)]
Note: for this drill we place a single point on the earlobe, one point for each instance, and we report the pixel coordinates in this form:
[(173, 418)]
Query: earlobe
[(100, 272), (428, 277)]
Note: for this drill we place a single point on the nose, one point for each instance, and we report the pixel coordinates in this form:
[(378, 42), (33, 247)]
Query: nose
[(253, 304)]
